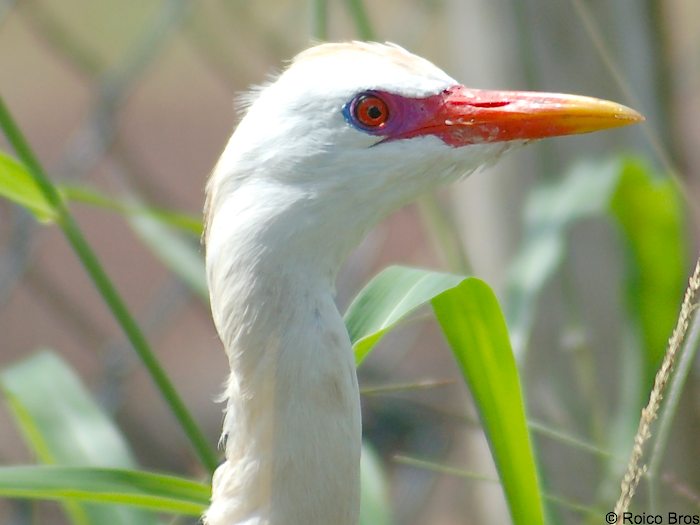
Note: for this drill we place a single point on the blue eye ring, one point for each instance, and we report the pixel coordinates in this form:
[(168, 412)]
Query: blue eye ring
[(367, 111)]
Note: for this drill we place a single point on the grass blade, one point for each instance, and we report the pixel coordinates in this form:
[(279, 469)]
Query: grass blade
[(91, 197), (388, 299), (130, 488), (63, 425), (104, 285), (475, 328), (649, 212)]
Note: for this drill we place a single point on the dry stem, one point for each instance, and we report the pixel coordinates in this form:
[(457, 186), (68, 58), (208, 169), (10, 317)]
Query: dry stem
[(650, 412)]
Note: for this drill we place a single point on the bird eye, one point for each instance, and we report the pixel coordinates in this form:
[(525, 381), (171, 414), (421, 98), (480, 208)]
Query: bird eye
[(370, 111)]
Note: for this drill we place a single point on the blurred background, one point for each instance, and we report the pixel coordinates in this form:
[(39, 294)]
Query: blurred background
[(135, 100)]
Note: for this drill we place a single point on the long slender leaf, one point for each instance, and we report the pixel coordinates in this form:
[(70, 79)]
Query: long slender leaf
[(154, 226), (17, 185), (388, 299), (648, 211), (63, 425), (155, 492), (92, 197), (102, 282), (474, 325), (475, 328)]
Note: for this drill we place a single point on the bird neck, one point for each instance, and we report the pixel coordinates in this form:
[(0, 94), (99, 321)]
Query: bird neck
[(292, 428)]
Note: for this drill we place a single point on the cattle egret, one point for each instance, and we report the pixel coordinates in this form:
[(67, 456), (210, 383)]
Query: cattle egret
[(346, 134)]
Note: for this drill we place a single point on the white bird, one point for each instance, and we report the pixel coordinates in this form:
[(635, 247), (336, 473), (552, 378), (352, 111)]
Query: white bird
[(346, 134)]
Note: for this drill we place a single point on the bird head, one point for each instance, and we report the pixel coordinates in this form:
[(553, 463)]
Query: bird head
[(351, 131)]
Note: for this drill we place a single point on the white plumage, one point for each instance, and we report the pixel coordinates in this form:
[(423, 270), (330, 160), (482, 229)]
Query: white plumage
[(296, 188)]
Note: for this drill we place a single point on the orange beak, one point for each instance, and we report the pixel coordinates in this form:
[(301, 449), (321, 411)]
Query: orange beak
[(462, 116)]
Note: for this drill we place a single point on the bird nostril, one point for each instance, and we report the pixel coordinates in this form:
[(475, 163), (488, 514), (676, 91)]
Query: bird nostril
[(494, 104)]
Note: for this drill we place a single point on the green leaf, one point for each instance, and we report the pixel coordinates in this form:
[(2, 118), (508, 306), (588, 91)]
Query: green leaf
[(17, 185), (154, 226), (178, 253), (475, 328), (63, 425), (92, 197), (374, 508), (104, 285), (649, 212), (132, 488), (389, 298)]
